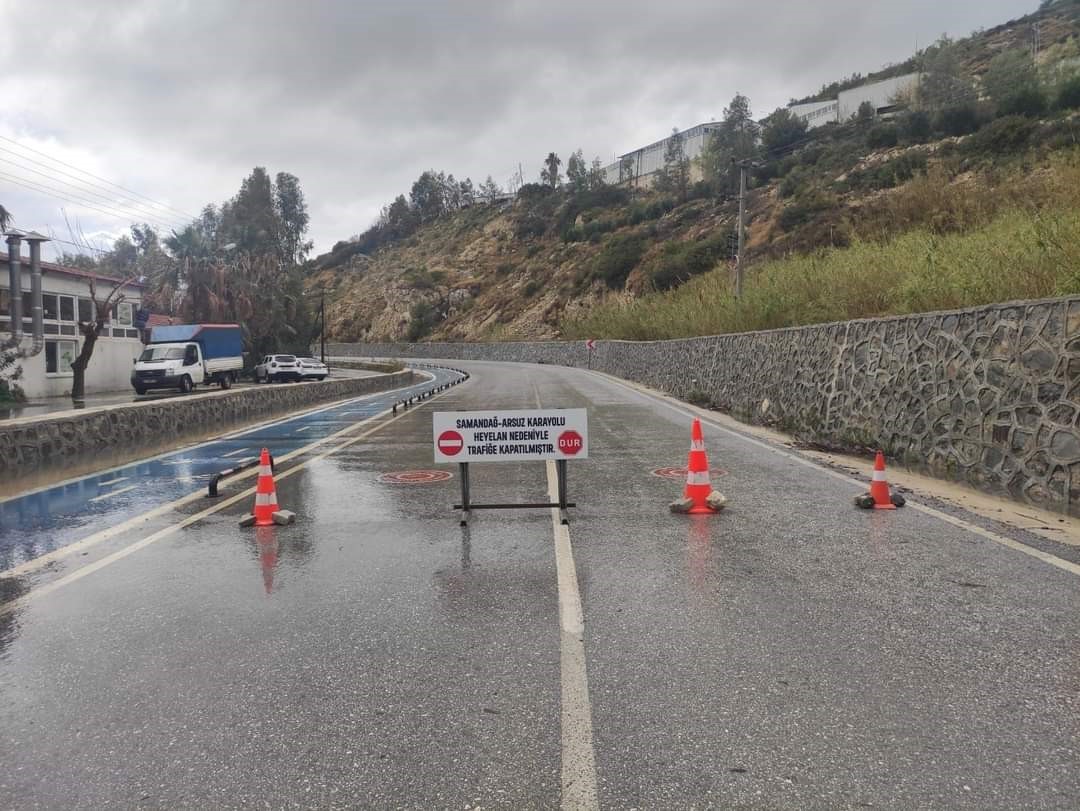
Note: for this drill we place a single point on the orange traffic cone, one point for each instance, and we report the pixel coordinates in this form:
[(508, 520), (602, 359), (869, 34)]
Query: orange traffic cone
[(698, 486), (879, 488), (265, 494)]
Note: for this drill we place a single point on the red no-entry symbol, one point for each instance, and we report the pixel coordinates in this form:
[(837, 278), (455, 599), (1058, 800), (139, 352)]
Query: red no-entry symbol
[(450, 443), (570, 442)]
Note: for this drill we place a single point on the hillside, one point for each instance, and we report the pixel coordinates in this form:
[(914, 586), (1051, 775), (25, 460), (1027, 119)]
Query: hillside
[(565, 262)]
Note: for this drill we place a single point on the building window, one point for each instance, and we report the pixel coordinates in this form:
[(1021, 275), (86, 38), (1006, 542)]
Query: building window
[(67, 308), (49, 307), (5, 302), (59, 356), (86, 310), (123, 314)]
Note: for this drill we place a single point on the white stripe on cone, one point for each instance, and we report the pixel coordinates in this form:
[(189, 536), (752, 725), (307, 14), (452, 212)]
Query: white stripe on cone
[(264, 470), (697, 478), (879, 476), (697, 445), (262, 499)]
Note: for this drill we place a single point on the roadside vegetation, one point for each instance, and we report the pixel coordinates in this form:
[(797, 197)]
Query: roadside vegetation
[(1019, 241)]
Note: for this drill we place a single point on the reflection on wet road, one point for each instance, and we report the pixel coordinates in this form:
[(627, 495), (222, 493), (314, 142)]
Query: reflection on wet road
[(792, 653), (48, 519)]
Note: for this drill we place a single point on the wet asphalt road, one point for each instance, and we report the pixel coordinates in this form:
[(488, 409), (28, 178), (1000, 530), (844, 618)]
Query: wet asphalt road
[(790, 653)]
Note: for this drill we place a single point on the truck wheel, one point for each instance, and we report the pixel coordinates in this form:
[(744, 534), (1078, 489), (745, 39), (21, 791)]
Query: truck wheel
[(140, 390), (226, 381), (322, 377), (185, 385)]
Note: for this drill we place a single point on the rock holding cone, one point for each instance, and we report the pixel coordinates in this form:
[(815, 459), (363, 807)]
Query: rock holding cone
[(698, 498)]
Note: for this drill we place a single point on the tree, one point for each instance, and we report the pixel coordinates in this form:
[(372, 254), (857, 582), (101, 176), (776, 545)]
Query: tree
[(466, 192), (865, 114), (490, 190), (5, 218), (597, 175), (549, 175), (943, 82), (577, 173), (1010, 77), (734, 140), (91, 331), (250, 220), (782, 129), (675, 175), (428, 196), (293, 214)]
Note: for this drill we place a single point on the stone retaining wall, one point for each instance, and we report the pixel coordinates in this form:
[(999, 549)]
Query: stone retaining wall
[(116, 434), (989, 396)]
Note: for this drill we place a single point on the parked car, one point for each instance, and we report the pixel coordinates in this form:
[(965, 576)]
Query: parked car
[(312, 369), (277, 367), (182, 356)]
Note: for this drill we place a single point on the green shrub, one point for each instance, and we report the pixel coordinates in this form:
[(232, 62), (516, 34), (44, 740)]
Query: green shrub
[(1001, 136), (962, 119), (423, 316), (915, 126), (618, 257), (532, 288), (803, 209), (1028, 101), (681, 261), (1068, 94), (883, 136), (530, 225), (505, 269)]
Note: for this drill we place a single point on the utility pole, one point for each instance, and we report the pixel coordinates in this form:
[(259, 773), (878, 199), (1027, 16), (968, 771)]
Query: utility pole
[(322, 327), (743, 166)]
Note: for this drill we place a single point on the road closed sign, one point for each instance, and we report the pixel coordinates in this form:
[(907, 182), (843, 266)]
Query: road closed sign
[(511, 436)]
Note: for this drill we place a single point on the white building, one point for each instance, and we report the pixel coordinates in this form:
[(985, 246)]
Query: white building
[(65, 301), (645, 162), (883, 96)]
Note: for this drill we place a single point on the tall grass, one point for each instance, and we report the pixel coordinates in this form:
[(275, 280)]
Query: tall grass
[(1021, 253)]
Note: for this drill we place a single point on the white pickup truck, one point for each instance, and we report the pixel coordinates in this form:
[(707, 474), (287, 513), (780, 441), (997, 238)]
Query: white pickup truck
[(187, 355)]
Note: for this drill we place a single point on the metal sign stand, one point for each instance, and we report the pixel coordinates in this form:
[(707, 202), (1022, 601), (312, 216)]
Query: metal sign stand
[(466, 504)]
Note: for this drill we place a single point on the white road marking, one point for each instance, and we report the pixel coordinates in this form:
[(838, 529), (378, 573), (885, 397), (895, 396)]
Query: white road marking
[(579, 792), (578, 753), (1038, 554), (112, 493), (305, 428), (251, 429), (235, 453), (165, 532), (113, 481), (131, 523)]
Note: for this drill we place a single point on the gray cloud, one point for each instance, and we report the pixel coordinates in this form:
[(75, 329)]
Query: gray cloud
[(179, 100)]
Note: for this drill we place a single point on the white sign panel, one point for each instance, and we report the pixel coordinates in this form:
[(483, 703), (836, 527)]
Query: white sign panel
[(511, 436)]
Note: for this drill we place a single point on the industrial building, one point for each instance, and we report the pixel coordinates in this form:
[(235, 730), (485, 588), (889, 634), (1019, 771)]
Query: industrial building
[(48, 336), (884, 96), (645, 162)]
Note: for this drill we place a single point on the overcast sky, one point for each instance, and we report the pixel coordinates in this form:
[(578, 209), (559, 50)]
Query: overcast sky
[(177, 100)]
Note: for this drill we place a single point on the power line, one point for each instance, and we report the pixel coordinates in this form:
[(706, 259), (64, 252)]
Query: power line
[(109, 201), (59, 195), (184, 214), (110, 196)]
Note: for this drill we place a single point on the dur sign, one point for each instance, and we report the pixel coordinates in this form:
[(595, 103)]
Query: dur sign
[(511, 436)]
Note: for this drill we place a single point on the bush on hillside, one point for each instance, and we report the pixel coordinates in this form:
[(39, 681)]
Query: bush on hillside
[(1068, 95), (883, 136), (681, 261), (963, 119), (915, 126), (618, 257), (804, 208), (534, 191), (1002, 136), (531, 225), (1028, 101)]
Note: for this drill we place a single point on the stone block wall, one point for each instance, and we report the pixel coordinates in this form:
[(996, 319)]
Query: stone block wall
[(989, 396), (75, 442)]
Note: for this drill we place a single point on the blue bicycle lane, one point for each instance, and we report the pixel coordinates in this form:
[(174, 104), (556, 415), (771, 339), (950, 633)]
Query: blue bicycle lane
[(40, 522)]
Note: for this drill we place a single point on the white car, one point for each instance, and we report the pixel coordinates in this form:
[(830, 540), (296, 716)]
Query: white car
[(277, 367), (312, 369)]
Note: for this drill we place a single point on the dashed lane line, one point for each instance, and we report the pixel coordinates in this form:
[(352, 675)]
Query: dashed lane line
[(112, 493), (172, 529), (132, 523), (235, 453)]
